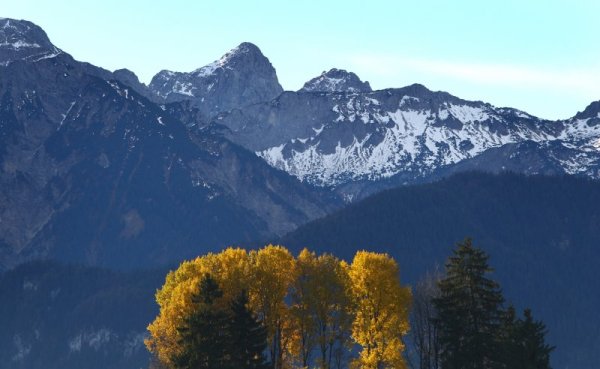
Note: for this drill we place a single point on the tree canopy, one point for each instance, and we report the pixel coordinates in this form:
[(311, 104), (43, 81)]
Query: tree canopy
[(474, 329), (317, 310)]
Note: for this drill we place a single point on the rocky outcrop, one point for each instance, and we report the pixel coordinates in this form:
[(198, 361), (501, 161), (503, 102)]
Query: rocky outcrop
[(336, 80), (241, 77)]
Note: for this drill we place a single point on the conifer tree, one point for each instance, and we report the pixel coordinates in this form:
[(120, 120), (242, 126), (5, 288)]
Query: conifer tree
[(507, 336), (204, 332), (524, 345), (248, 337), (469, 311), (536, 353)]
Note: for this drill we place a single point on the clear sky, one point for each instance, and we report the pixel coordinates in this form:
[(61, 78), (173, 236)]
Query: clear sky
[(539, 56)]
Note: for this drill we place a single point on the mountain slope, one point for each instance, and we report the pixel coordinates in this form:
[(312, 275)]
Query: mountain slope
[(72, 317), (542, 234), (358, 142), (116, 180)]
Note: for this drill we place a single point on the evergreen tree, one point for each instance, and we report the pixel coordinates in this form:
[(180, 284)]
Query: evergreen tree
[(469, 310), (248, 337), (524, 344), (508, 348), (204, 332)]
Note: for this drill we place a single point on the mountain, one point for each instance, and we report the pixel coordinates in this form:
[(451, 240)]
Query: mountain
[(98, 168), (22, 40), (72, 317), (336, 133), (128, 78), (358, 142), (542, 234), (241, 77), (93, 172), (336, 80)]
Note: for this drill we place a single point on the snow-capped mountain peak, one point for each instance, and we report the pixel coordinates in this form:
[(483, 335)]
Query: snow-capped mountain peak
[(245, 50), (242, 76), (336, 80), (23, 40)]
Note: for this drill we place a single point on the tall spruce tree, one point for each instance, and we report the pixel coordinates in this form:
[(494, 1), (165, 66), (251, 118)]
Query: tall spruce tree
[(469, 310), (248, 336), (507, 336), (204, 335), (524, 345)]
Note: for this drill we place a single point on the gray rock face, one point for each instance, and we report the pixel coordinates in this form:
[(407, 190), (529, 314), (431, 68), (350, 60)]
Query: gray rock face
[(591, 112), (23, 40), (129, 78), (241, 77), (360, 143), (336, 80)]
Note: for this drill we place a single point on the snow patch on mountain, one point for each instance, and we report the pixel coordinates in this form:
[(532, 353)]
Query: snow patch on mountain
[(19, 44), (581, 129), (223, 62), (417, 136), (183, 88), (22, 348), (93, 339)]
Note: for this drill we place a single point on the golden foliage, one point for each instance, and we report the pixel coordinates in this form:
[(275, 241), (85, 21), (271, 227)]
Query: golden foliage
[(381, 311), (306, 303)]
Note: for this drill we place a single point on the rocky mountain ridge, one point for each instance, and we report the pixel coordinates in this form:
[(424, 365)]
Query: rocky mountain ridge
[(117, 180), (23, 40), (63, 122), (243, 76), (336, 80), (337, 133), (356, 142)]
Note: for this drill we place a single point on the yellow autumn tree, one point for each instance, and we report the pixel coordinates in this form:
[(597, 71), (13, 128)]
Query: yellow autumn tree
[(231, 269), (303, 298), (333, 310), (174, 300), (380, 311), (321, 309), (273, 273), (315, 308)]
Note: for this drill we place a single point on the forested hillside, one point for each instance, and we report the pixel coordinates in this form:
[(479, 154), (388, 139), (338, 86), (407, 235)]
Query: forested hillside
[(66, 316), (542, 233)]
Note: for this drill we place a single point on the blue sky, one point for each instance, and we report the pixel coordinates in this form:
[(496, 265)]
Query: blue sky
[(538, 56)]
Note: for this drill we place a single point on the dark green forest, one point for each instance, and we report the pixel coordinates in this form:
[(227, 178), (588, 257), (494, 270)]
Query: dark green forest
[(542, 234)]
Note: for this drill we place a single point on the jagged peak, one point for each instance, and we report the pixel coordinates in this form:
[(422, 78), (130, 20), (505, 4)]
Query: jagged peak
[(336, 80), (591, 111), (130, 79), (126, 74), (232, 59), (246, 47), (23, 40), (241, 53), (241, 76)]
